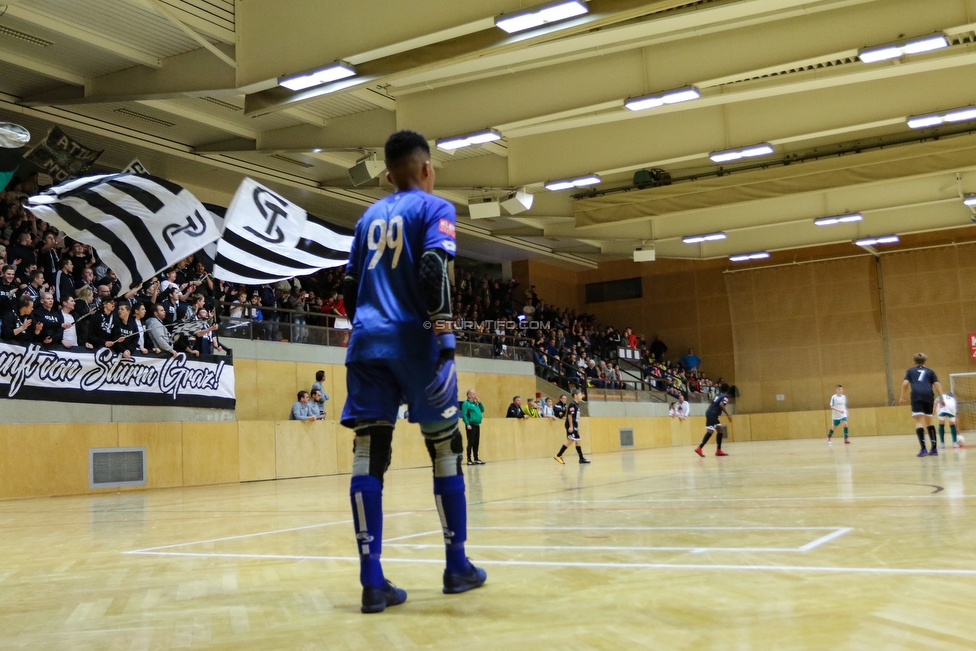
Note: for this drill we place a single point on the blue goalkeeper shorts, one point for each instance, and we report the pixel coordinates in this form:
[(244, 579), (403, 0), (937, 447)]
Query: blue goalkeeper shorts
[(377, 388)]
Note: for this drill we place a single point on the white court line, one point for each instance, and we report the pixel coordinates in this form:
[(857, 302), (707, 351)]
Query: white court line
[(587, 548), (825, 539), (653, 528), (637, 566), (252, 535), (413, 535), (728, 499)]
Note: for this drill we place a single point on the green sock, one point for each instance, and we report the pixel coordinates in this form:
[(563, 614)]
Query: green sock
[(952, 428), (830, 433), (845, 433), (941, 432)]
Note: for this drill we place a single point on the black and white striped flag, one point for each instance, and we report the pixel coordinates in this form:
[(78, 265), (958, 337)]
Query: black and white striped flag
[(139, 224), (267, 238)]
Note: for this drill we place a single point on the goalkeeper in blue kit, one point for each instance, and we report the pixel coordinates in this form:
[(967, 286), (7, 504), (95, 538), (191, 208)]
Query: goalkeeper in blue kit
[(398, 298)]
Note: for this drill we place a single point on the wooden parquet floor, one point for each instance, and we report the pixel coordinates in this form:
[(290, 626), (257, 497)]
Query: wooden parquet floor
[(782, 545)]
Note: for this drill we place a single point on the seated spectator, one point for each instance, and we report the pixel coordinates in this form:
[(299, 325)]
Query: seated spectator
[(515, 409), (315, 404), (593, 375), (547, 410), (17, 324), (559, 409), (301, 410), (680, 409)]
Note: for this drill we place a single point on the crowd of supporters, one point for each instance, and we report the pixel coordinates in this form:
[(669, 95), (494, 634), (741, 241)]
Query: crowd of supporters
[(59, 293)]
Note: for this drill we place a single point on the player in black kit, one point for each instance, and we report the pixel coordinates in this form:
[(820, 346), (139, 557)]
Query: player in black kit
[(924, 385), (572, 428), (712, 424)]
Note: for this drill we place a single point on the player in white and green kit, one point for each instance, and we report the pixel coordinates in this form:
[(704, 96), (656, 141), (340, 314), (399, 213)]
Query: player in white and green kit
[(838, 412), (947, 412)]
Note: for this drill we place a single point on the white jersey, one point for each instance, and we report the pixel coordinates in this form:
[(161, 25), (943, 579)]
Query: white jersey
[(948, 406), (839, 406)]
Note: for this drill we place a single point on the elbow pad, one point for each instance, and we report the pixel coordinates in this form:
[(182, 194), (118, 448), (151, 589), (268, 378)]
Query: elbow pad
[(350, 291), (435, 285)]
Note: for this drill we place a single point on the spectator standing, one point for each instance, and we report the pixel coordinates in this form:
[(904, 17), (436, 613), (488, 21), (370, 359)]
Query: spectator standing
[(559, 409), (658, 348), (317, 386), (515, 409), (158, 334), (69, 333), (47, 322), (471, 414), (300, 410), (681, 409), (18, 324), (547, 410), (691, 361)]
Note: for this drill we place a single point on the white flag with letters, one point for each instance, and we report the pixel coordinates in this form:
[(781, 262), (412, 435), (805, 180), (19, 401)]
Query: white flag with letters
[(268, 238)]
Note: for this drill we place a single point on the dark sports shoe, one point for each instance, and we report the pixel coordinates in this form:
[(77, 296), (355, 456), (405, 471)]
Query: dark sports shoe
[(470, 462), (923, 453), (376, 600), (933, 452), (584, 460), (479, 462), (473, 577)]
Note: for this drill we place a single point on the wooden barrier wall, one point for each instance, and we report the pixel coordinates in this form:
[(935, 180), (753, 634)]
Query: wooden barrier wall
[(46, 460), (266, 389)]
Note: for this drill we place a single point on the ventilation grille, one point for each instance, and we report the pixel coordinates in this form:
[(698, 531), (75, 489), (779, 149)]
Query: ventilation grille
[(290, 161), (110, 467), (614, 290), (23, 36), (626, 438), (222, 104), (145, 118)]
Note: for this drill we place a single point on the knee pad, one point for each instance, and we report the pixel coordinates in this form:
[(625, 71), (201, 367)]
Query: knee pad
[(372, 448), (445, 449)]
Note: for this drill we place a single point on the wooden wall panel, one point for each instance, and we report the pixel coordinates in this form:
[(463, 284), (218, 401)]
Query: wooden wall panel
[(164, 450), (210, 454), (305, 449), (50, 459), (256, 444), (246, 388)]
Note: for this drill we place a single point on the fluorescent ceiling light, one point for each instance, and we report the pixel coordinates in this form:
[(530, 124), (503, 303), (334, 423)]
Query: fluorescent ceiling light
[(333, 72), (871, 241), (839, 219), (468, 139), (538, 16), (685, 94), (698, 239), (762, 255), (898, 49), (762, 149), (970, 200), (934, 119), (583, 181)]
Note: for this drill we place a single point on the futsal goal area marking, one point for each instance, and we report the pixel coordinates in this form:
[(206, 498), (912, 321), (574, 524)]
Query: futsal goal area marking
[(831, 534)]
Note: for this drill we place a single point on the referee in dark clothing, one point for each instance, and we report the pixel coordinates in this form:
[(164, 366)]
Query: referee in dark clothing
[(924, 385)]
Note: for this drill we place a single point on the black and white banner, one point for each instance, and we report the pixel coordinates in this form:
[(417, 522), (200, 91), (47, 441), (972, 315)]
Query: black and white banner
[(34, 373), (268, 238), (139, 225), (61, 156)]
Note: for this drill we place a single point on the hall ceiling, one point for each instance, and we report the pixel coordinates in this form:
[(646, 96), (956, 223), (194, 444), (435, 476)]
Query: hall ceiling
[(196, 83)]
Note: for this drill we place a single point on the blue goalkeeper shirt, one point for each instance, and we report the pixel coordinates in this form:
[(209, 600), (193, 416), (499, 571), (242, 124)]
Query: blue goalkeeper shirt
[(390, 239)]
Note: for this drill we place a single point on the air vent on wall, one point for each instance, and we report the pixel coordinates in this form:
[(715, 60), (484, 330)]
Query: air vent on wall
[(112, 467), (33, 40), (145, 118), (222, 104), (291, 161)]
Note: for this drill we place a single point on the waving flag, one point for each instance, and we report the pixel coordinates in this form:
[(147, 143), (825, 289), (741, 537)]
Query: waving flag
[(139, 224), (267, 238)]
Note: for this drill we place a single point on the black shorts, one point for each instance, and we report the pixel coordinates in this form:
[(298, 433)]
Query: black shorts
[(923, 407), (573, 435), (711, 422)]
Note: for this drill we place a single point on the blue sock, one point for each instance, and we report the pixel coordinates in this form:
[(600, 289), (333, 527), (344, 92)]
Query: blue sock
[(366, 495), (453, 510)]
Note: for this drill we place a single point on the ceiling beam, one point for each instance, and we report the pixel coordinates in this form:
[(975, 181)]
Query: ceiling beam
[(204, 43), (376, 98), (191, 73), (201, 117), (96, 40), (41, 68)]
